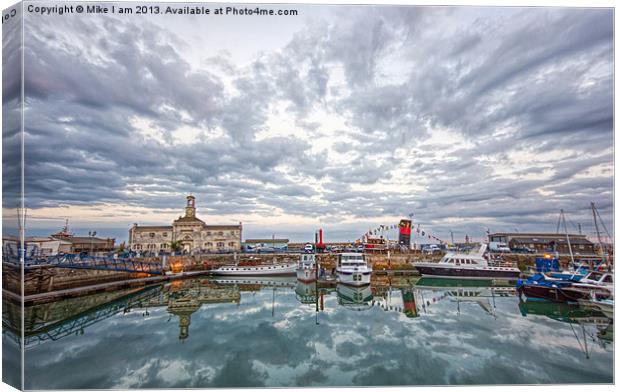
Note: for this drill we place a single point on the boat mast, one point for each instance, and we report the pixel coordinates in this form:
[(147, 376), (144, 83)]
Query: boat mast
[(598, 232), (570, 249)]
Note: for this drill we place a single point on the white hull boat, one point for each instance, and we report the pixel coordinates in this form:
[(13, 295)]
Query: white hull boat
[(306, 269), (353, 270)]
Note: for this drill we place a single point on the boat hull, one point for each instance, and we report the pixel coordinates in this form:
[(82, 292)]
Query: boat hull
[(306, 275), (543, 292), (260, 270), (354, 278), (465, 273)]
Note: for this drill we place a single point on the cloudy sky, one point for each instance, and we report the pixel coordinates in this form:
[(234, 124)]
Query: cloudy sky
[(341, 117)]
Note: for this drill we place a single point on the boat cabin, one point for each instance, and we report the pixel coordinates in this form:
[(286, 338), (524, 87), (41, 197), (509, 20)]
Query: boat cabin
[(596, 277), (351, 260), (307, 259), (464, 259), (460, 261)]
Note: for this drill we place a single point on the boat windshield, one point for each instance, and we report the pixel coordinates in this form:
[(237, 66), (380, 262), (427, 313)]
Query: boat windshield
[(594, 276), (355, 258)]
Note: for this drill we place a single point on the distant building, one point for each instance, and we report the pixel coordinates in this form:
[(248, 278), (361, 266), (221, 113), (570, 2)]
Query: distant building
[(191, 233), (90, 244), (49, 246), (545, 242)]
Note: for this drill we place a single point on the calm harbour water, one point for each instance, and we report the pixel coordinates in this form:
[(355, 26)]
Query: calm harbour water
[(200, 333)]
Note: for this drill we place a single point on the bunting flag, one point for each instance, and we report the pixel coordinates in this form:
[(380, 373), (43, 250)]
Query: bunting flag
[(380, 229)]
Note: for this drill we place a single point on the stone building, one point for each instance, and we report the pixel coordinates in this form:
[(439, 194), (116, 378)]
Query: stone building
[(189, 232)]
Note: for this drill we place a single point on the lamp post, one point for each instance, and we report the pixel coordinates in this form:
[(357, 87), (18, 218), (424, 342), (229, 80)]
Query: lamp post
[(92, 235)]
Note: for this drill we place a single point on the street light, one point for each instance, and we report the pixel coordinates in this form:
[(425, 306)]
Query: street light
[(92, 235)]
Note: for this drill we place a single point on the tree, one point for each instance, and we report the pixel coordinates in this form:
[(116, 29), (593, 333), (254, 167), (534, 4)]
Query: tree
[(175, 246)]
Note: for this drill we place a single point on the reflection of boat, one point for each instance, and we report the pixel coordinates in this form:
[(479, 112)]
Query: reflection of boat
[(572, 314), (605, 305), (280, 269), (564, 312), (272, 281), (466, 266), (356, 298), (306, 292), (477, 291), (353, 270), (433, 282), (306, 270)]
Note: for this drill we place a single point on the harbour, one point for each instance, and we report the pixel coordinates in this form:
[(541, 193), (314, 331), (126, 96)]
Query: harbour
[(279, 332)]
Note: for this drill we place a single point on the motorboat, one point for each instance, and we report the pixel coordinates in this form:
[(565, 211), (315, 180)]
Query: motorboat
[(467, 266), (595, 283), (275, 269), (352, 269), (306, 269)]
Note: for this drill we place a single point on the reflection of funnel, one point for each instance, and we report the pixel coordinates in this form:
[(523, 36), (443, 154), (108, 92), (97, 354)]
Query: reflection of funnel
[(356, 298), (411, 309)]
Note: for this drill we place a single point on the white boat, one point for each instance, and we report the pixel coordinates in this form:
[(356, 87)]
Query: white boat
[(353, 270), (256, 270), (466, 266), (306, 269)]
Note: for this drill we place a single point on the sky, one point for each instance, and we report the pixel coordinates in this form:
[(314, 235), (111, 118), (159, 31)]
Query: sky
[(341, 118)]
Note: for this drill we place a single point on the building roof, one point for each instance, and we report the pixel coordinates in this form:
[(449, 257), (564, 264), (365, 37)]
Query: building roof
[(46, 239), (222, 227), (94, 240), (267, 241), (536, 235), (148, 228), (577, 240), (188, 219)]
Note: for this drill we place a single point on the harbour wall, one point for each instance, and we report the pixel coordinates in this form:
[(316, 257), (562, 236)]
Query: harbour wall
[(44, 279)]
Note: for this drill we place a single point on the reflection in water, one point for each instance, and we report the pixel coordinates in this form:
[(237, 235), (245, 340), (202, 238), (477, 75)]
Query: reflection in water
[(354, 297), (587, 323), (267, 332)]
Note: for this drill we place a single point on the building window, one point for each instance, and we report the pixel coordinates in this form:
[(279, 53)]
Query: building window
[(220, 244), (220, 233), (231, 244), (208, 233), (165, 234), (209, 244), (151, 235)]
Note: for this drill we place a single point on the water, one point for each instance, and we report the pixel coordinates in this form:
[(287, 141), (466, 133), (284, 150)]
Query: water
[(199, 333)]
